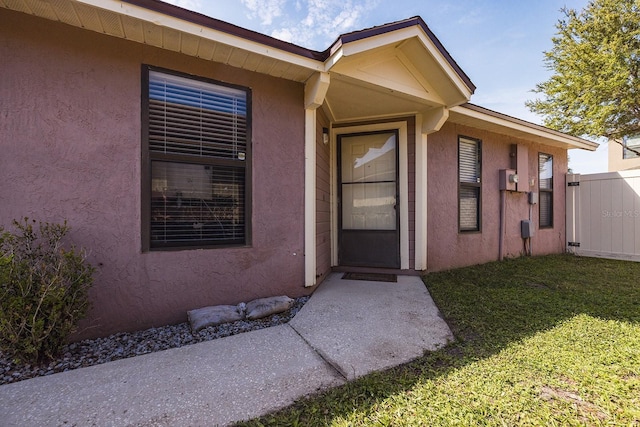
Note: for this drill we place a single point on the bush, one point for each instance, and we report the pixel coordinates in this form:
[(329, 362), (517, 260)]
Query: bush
[(43, 290)]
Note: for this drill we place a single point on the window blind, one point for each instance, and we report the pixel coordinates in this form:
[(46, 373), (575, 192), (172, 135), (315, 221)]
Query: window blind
[(196, 118), (198, 160), (469, 164), (546, 209), (196, 202), (469, 197), (545, 185), (469, 173)]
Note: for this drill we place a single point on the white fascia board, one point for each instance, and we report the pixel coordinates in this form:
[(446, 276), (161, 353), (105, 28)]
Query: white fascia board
[(367, 44), (396, 37), (333, 59), (163, 20), (526, 127), (453, 75), (373, 42)]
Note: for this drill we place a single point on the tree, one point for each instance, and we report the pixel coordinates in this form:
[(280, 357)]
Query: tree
[(595, 87)]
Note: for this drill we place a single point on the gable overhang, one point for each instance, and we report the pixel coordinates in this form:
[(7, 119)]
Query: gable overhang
[(482, 118), (401, 67), (165, 26)]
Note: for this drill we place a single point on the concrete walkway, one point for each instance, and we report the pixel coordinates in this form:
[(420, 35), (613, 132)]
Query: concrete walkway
[(347, 329)]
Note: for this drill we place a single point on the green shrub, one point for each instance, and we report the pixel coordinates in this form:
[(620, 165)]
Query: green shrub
[(43, 290)]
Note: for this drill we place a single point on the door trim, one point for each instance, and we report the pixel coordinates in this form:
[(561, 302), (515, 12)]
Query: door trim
[(403, 177)]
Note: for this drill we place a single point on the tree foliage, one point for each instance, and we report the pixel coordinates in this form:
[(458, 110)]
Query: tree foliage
[(595, 86)]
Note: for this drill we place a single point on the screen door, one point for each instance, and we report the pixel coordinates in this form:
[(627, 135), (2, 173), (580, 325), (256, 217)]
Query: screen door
[(368, 199)]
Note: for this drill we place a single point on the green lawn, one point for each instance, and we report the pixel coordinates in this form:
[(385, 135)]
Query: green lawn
[(551, 340)]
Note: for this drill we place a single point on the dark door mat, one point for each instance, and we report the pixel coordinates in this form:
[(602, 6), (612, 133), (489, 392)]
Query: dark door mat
[(371, 277)]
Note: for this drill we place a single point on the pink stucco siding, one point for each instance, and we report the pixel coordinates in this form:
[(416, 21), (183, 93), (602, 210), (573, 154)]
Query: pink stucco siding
[(448, 248), (70, 122)]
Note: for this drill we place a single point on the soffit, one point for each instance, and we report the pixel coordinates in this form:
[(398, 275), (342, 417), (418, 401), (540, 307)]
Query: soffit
[(349, 100), (154, 28), (482, 118)]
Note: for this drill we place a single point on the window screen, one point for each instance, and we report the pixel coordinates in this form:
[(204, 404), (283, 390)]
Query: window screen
[(545, 184), (469, 187), (198, 154)]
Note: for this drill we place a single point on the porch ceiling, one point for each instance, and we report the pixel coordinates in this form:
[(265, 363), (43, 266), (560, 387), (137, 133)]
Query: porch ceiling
[(193, 35), (349, 100)]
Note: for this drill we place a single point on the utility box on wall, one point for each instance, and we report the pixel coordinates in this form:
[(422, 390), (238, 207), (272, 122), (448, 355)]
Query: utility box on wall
[(526, 229), (508, 179)]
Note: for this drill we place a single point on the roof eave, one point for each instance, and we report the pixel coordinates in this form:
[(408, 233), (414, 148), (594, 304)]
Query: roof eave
[(222, 26), (415, 21), (553, 137)]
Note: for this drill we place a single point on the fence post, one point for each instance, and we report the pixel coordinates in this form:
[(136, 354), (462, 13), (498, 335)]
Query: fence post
[(572, 213)]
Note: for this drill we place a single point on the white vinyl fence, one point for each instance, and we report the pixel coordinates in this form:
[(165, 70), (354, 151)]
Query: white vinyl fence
[(603, 214)]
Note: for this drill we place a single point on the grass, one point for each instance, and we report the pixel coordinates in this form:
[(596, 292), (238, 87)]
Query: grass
[(551, 340)]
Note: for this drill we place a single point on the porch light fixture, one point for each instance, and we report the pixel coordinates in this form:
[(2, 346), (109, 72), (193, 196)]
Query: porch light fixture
[(325, 135)]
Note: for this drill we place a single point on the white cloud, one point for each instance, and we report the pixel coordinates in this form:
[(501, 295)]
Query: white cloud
[(312, 23), (266, 10), (283, 34)]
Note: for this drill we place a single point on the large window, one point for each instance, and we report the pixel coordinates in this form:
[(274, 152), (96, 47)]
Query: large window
[(469, 186), (197, 160), (631, 147), (545, 185)]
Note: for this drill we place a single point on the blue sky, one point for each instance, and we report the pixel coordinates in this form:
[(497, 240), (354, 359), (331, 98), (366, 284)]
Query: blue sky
[(498, 43)]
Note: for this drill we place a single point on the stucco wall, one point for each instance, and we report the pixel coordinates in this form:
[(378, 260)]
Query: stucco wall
[(71, 149), (446, 246), (616, 161)]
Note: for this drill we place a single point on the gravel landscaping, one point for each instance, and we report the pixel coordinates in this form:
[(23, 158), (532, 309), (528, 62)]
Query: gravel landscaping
[(122, 345)]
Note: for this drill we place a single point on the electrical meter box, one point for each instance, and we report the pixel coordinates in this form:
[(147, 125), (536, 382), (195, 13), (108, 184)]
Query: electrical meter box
[(526, 228), (508, 179)]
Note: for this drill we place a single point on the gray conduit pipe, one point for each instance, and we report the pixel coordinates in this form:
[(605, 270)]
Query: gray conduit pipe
[(503, 225), (531, 224)]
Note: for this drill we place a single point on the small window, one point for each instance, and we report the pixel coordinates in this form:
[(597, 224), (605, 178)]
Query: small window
[(196, 137), (631, 147), (545, 185), (469, 185)]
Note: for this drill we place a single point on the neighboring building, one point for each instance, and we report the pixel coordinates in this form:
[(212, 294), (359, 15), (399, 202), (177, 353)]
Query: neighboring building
[(201, 163), (624, 154)]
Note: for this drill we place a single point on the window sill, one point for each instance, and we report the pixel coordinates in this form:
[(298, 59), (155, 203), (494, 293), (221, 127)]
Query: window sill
[(195, 248)]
